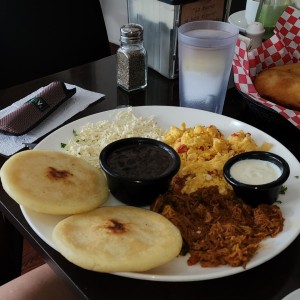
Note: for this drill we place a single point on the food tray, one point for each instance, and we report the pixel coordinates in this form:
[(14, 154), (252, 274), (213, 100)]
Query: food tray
[(282, 48)]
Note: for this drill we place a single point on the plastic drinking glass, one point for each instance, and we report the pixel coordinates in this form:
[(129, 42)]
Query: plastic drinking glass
[(206, 50), (268, 13)]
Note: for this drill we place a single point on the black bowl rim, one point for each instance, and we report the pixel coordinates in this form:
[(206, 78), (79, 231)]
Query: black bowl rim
[(173, 169), (261, 110), (261, 105), (262, 155)]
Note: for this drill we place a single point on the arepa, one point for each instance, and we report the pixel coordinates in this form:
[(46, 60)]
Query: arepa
[(280, 85), (117, 239), (53, 182)]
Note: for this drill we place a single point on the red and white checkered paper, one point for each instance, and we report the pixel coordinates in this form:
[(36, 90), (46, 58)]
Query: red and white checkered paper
[(282, 48)]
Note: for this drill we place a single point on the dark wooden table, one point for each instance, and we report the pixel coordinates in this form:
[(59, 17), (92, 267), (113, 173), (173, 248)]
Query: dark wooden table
[(271, 280)]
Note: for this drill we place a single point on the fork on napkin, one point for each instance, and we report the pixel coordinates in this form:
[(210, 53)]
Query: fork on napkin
[(40, 112)]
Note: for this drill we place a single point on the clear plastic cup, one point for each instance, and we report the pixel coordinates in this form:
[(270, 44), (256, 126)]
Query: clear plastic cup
[(206, 50)]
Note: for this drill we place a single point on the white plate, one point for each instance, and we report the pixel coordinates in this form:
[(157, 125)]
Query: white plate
[(177, 269), (295, 295), (238, 19)]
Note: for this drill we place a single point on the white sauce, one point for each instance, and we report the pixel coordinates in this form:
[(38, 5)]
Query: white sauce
[(255, 171)]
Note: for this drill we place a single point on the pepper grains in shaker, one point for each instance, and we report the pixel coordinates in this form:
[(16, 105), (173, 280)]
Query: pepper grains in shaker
[(131, 58)]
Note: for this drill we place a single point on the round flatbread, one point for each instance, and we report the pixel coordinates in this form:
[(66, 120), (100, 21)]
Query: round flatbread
[(117, 239), (281, 86), (53, 182)]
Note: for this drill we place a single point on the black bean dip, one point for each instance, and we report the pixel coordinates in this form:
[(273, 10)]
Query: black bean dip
[(139, 161)]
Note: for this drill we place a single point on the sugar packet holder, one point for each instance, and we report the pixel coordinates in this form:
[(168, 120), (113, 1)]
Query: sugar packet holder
[(282, 48), (35, 110)]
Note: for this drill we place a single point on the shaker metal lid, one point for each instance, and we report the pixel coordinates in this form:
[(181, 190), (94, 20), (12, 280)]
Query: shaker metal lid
[(131, 32)]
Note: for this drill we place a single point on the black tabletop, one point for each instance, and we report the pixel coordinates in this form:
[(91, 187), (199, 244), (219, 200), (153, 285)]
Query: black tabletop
[(271, 280)]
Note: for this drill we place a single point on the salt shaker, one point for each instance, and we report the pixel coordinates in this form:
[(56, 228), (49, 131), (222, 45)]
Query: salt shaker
[(131, 58), (255, 31)]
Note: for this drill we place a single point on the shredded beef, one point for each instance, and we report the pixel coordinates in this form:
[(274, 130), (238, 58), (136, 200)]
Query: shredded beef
[(219, 229)]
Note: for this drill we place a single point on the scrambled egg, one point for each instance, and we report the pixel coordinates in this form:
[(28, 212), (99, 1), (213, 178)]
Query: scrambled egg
[(204, 151)]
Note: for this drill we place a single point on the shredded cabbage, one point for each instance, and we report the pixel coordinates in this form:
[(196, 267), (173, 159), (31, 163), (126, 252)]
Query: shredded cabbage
[(93, 137)]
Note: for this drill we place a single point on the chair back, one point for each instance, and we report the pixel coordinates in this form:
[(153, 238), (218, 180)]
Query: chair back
[(42, 37)]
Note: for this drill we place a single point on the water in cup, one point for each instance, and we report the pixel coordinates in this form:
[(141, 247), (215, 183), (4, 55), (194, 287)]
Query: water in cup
[(204, 66)]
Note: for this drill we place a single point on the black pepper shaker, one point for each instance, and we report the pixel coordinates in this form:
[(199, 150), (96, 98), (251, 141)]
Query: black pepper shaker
[(131, 58)]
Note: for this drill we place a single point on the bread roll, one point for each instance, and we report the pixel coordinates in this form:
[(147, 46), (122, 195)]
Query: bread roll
[(291, 68), (280, 85)]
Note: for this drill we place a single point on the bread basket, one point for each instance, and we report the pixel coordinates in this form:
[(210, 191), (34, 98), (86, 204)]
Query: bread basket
[(282, 48)]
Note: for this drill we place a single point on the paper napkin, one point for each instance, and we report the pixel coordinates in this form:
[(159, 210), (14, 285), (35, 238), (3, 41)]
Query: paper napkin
[(82, 99)]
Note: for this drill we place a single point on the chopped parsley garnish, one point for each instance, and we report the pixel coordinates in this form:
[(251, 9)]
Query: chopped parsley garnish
[(283, 189), (63, 145)]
